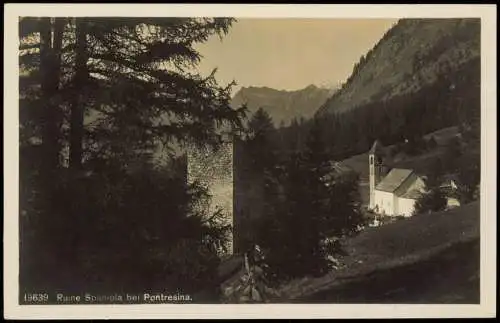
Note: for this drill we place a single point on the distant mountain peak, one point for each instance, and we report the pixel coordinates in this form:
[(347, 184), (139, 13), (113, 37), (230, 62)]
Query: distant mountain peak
[(282, 105)]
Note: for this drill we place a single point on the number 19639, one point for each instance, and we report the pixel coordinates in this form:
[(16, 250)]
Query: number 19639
[(36, 298)]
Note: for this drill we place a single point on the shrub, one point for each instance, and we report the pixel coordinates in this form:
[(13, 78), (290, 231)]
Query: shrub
[(431, 143), (432, 201)]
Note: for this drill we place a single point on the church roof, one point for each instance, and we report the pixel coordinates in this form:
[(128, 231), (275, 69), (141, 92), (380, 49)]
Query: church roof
[(393, 180), (376, 145), (339, 167), (413, 194)]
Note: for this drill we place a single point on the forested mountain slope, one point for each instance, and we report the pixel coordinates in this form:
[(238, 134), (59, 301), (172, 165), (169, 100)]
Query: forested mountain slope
[(410, 56)]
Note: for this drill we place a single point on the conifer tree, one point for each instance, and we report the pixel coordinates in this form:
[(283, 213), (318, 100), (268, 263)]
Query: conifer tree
[(312, 206), (134, 77), (432, 201), (261, 141), (112, 91)]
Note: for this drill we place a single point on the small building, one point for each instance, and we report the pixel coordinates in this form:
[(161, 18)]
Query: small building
[(450, 187)]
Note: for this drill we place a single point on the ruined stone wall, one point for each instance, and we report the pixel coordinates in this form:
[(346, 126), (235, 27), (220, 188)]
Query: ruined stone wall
[(214, 170)]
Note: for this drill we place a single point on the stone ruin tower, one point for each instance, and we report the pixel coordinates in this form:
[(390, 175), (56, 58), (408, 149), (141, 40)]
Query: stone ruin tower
[(214, 170)]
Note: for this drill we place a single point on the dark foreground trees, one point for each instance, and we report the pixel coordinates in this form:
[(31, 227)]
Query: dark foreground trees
[(309, 206), (100, 100)]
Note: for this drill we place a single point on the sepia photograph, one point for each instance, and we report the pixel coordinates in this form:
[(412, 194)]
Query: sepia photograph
[(225, 159)]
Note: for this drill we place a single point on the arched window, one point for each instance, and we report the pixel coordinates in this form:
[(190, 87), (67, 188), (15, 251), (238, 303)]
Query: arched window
[(371, 160)]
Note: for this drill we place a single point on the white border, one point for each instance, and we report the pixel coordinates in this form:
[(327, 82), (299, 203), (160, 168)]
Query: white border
[(487, 13)]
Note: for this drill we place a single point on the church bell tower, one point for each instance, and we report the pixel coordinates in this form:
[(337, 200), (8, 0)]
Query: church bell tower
[(375, 167)]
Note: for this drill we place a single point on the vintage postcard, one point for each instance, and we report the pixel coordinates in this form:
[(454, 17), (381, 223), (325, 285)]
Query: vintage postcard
[(249, 161)]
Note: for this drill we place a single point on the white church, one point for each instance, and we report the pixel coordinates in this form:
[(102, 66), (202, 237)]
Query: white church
[(392, 193)]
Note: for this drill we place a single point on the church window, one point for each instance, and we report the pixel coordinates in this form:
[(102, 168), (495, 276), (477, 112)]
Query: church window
[(371, 160)]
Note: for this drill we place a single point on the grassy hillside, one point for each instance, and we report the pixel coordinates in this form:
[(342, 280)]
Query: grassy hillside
[(411, 55), (449, 277), (359, 163), (426, 258), (419, 163)]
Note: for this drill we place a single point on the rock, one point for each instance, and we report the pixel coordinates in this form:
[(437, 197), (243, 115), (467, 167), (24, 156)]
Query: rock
[(271, 291), (244, 278), (228, 291), (256, 295), (247, 290), (243, 299), (258, 271)]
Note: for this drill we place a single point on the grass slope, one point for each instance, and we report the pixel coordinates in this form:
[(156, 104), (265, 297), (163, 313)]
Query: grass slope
[(449, 277), (424, 259), (359, 163)]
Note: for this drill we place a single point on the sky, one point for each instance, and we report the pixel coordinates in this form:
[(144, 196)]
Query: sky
[(290, 54)]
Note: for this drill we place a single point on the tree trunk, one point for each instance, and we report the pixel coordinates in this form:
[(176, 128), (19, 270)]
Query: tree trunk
[(59, 24), (49, 86), (77, 106), (50, 66)]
